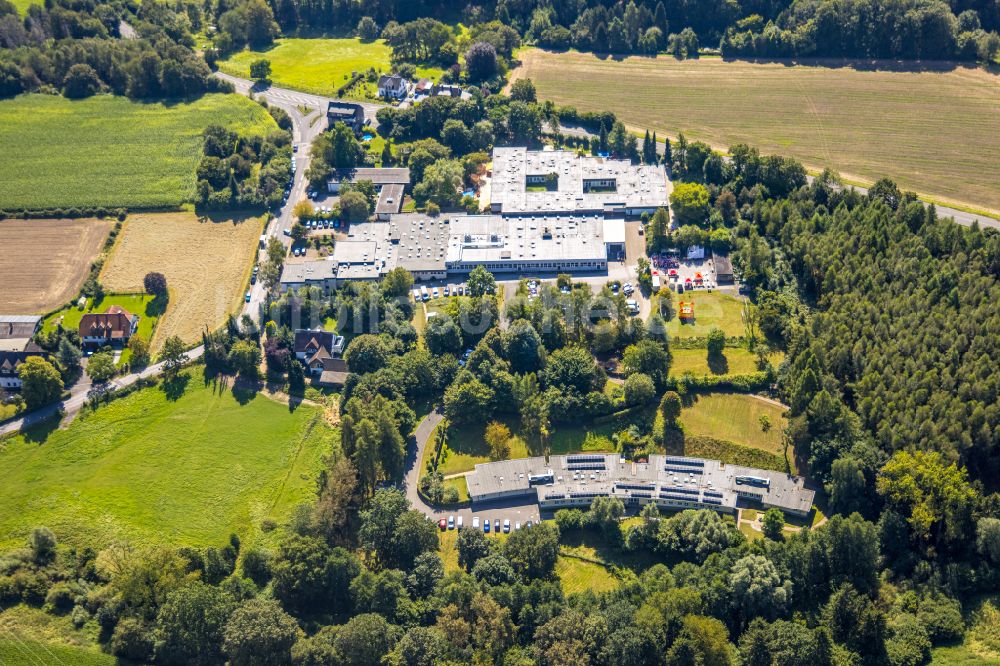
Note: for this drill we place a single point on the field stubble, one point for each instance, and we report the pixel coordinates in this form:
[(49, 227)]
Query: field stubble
[(933, 131), (206, 261), (46, 261)]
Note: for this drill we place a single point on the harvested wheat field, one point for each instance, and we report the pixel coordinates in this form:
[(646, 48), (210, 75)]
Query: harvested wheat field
[(206, 261), (46, 261), (935, 131)]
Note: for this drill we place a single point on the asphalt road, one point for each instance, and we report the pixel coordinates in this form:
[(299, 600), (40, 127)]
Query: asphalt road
[(518, 510), (79, 393)]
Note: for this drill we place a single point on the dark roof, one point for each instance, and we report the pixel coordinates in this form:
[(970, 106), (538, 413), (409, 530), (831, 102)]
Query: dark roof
[(377, 176), (390, 199), (116, 323), (344, 110), (309, 342), (394, 79), (723, 266), (10, 361), (334, 372)]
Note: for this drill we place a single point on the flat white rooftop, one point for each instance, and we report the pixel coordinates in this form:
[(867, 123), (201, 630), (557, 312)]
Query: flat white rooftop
[(563, 181)]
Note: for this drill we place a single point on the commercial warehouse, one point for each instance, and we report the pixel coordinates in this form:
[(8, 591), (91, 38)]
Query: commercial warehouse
[(562, 181), (671, 482)]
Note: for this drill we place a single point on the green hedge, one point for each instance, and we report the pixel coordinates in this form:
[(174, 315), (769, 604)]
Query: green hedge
[(746, 383)]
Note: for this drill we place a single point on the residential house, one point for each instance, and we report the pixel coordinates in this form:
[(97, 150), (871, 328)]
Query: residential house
[(115, 326), (444, 89), (393, 87), (352, 115), (320, 351), (11, 361)]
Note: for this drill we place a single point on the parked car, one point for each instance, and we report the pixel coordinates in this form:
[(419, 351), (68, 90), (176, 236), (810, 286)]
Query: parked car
[(496, 525), (460, 523), (475, 522), (287, 232), (451, 522), (253, 279), (628, 289), (506, 525), (247, 297), (486, 526), (443, 524), (517, 525)]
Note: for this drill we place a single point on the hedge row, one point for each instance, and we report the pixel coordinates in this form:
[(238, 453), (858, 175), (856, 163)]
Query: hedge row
[(42, 213), (745, 383)]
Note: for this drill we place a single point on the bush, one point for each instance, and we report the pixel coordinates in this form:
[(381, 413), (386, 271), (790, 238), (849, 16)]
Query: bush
[(131, 640), (60, 598)]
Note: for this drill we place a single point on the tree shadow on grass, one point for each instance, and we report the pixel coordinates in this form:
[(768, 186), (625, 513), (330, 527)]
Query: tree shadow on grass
[(174, 386), (245, 389), (39, 433), (718, 364), (157, 306)]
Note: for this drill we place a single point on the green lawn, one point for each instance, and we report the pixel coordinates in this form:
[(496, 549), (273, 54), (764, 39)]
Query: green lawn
[(321, 66), (711, 309), (22, 5), (459, 484), (110, 151), (144, 305), (735, 361), (150, 469), (466, 447), (735, 417), (578, 575)]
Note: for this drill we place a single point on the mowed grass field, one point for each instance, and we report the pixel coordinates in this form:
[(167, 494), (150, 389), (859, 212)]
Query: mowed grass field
[(320, 66), (712, 309), (206, 261), (46, 261), (110, 151), (934, 132), (735, 361), (736, 417), (151, 469)]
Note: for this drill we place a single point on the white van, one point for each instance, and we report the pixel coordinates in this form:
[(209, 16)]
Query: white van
[(424, 296)]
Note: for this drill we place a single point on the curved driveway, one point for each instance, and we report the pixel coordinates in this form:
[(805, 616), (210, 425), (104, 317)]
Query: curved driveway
[(517, 510)]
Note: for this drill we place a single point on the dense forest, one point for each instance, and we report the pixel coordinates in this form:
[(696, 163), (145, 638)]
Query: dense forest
[(924, 29)]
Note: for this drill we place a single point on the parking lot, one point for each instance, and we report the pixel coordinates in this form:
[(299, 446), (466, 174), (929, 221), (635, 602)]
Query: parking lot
[(678, 273)]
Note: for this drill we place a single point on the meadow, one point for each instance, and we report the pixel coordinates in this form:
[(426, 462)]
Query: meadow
[(712, 309), (206, 260), (110, 151), (321, 66), (184, 467), (736, 417), (46, 261), (933, 130), (735, 361)]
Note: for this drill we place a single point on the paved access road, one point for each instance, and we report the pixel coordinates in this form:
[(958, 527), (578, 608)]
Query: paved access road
[(79, 393)]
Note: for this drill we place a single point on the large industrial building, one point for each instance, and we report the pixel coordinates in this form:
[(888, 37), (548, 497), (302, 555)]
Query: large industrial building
[(552, 211), (671, 482), (563, 181)]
